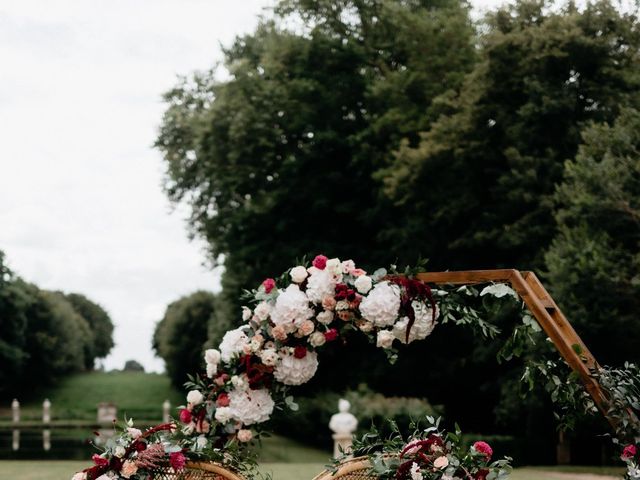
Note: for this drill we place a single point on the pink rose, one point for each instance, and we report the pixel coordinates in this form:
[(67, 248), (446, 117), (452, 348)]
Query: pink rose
[(306, 328), (269, 284), (245, 435), (221, 379), (357, 272), (320, 262), (441, 462), (129, 468), (185, 416), (203, 427), (484, 448), (279, 333), (629, 451), (329, 303), (177, 460)]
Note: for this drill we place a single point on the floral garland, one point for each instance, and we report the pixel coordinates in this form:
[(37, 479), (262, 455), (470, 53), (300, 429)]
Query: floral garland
[(287, 324), (429, 454), (136, 455)]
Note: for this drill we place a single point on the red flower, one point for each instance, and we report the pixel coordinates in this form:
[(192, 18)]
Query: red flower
[(482, 474), (484, 448), (139, 446), (629, 452), (177, 460), (223, 400), (269, 284), (300, 351), (331, 334), (320, 262), (98, 460), (185, 416)]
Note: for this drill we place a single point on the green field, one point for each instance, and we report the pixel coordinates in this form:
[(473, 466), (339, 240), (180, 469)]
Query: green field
[(280, 471), (137, 394)]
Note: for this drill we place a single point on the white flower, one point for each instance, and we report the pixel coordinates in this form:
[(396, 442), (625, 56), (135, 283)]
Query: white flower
[(421, 328), (263, 310), (232, 344), (212, 370), (334, 266), (201, 442), (296, 371), (348, 265), (194, 397), (322, 283), (189, 429), (212, 356), (363, 284), (325, 317), (298, 274), (382, 304), (269, 357), (365, 326), (119, 451), (240, 382), (246, 314), (498, 290), (223, 414), (104, 477), (134, 432), (79, 476), (292, 308), (251, 406), (317, 339), (245, 435), (385, 339), (415, 472)]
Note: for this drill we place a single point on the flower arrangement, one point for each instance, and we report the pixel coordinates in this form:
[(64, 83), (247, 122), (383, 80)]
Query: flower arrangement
[(631, 458), (134, 454), (430, 454)]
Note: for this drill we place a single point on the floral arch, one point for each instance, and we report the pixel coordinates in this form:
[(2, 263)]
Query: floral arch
[(288, 321)]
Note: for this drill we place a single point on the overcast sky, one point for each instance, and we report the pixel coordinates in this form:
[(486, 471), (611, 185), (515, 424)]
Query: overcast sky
[(81, 205)]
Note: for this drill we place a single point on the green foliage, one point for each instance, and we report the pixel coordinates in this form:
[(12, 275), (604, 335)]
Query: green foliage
[(180, 336), (100, 325), (593, 262), (483, 176), (133, 366)]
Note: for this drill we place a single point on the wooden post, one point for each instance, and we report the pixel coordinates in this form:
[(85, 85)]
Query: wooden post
[(544, 309), (46, 411), (15, 410), (166, 407)]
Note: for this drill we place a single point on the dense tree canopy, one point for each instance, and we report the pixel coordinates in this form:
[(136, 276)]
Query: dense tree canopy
[(392, 130), (180, 336), (42, 335)]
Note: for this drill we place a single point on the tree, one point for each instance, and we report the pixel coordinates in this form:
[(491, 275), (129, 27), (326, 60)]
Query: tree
[(277, 161), (100, 324), (478, 189), (133, 366), (180, 336), (593, 261)]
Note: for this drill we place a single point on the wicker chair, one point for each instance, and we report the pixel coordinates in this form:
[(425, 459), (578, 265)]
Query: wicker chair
[(355, 469), (197, 471)]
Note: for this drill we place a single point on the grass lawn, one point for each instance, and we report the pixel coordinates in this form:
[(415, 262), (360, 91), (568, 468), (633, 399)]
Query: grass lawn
[(137, 394), (62, 470)]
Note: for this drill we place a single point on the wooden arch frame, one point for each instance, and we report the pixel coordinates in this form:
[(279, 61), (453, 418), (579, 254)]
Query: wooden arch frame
[(546, 312)]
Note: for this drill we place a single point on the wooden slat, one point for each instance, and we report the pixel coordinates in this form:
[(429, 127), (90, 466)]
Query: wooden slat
[(544, 309)]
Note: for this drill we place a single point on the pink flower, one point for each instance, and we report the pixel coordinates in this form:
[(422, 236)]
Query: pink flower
[(223, 400), (300, 351), (269, 284), (245, 435), (128, 468), (357, 272), (98, 460), (629, 452), (306, 328), (320, 262), (329, 303), (177, 460), (185, 416), (484, 448), (331, 334), (279, 333)]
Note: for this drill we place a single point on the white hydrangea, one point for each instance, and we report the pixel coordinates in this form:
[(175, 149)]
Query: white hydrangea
[(421, 328), (382, 304), (251, 406), (233, 343), (296, 371), (321, 283), (291, 308), (212, 370)]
